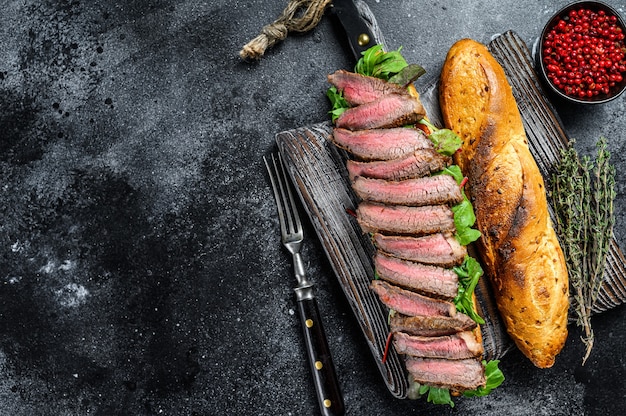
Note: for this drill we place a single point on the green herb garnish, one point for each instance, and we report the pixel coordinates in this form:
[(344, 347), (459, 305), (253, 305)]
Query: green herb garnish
[(493, 376), (446, 141), (339, 104), (469, 272), (436, 395), (407, 75), (464, 217), (380, 64), (583, 195)]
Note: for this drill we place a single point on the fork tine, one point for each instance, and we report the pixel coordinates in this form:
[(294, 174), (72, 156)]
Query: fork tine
[(271, 170), (290, 225), (296, 226)]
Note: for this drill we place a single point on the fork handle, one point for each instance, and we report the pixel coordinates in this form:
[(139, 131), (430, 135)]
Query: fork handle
[(329, 395)]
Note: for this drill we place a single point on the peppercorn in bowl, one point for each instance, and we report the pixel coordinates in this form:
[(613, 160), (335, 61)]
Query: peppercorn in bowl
[(581, 53)]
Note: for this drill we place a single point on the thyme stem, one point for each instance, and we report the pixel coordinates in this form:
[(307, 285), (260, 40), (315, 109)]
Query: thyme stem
[(583, 195)]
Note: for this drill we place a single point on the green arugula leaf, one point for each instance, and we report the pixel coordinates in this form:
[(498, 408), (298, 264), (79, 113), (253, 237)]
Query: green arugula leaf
[(380, 64), (469, 272), (339, 104), (464, 217), (494, 377), (446, 141), (437, 395)]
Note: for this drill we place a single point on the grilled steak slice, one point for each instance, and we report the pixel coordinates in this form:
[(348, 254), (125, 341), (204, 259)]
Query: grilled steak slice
[(466, 374), (453, 347), (360, 89), (430, 280), (391, 110), (431, 326), (421, 162), (411, 303), (440, 249), (430, 190), (381, 144), (398, 219)]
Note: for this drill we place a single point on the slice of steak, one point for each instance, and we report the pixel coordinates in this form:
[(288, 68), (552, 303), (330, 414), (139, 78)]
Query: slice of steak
[(440, 249), (429, 280), (466, 374), (422, 162), (431, 326), (453, 347), (398, 219), (430, 190), (390, 110), (360, 89), (411, 303), (381, 144)]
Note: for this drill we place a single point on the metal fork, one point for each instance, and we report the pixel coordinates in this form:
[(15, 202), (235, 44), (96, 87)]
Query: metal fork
[(329, 396)]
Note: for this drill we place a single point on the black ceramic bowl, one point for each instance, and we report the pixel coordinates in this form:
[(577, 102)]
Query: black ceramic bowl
[(602, 97)]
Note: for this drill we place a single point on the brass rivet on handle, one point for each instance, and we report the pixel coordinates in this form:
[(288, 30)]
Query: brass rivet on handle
[(327, 403), (308, 323), (363, 39), (318, 365)]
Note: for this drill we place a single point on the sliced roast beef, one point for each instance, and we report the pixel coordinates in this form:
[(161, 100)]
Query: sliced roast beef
[(390, 110), (430, 280), (398, 219), (381, 144), (360, 89), (431, 326), (466, 374), (421, 162), (411, 303), (430, 190), (440, 249), (453, 347)]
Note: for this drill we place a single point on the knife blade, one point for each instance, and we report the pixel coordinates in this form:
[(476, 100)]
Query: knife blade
[(359, 33)]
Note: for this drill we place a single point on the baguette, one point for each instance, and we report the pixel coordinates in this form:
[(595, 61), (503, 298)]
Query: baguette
[(518, 247)]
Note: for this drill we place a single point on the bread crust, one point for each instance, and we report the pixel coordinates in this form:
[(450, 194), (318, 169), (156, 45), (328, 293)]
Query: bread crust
[(519, 247)]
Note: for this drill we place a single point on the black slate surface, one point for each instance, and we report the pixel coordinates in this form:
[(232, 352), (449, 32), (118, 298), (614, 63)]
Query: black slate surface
[(139, 258)]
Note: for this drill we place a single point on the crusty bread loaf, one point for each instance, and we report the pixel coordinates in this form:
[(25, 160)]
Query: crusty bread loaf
[(518, 247)]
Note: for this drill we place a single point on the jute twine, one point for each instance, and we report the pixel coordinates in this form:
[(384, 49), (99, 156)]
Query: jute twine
[(299, 16)]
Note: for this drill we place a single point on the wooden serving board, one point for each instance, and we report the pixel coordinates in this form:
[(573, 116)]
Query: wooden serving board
[(317, 168)]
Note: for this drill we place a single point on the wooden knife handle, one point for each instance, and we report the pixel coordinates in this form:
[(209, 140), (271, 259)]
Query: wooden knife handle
[(329, 395)]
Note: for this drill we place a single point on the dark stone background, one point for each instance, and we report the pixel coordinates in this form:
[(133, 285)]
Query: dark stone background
[(140, 267)]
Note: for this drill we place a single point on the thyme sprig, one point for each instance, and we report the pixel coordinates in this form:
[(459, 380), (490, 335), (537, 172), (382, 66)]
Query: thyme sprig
[(583, 194)]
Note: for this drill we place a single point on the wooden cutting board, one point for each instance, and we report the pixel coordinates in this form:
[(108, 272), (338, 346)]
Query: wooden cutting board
[(318, 171)]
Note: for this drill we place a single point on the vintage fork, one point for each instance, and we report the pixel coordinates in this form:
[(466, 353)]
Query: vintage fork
[(325, 378)]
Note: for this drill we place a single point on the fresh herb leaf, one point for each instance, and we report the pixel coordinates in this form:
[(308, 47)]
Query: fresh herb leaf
[(380, 64), (454, 171), (407, 75), (469, 272), (494, 377), (339, 104), (446, 141), (464, 217), (437, 395)]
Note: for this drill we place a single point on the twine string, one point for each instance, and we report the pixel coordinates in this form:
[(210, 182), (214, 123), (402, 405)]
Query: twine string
[(299, 16)]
